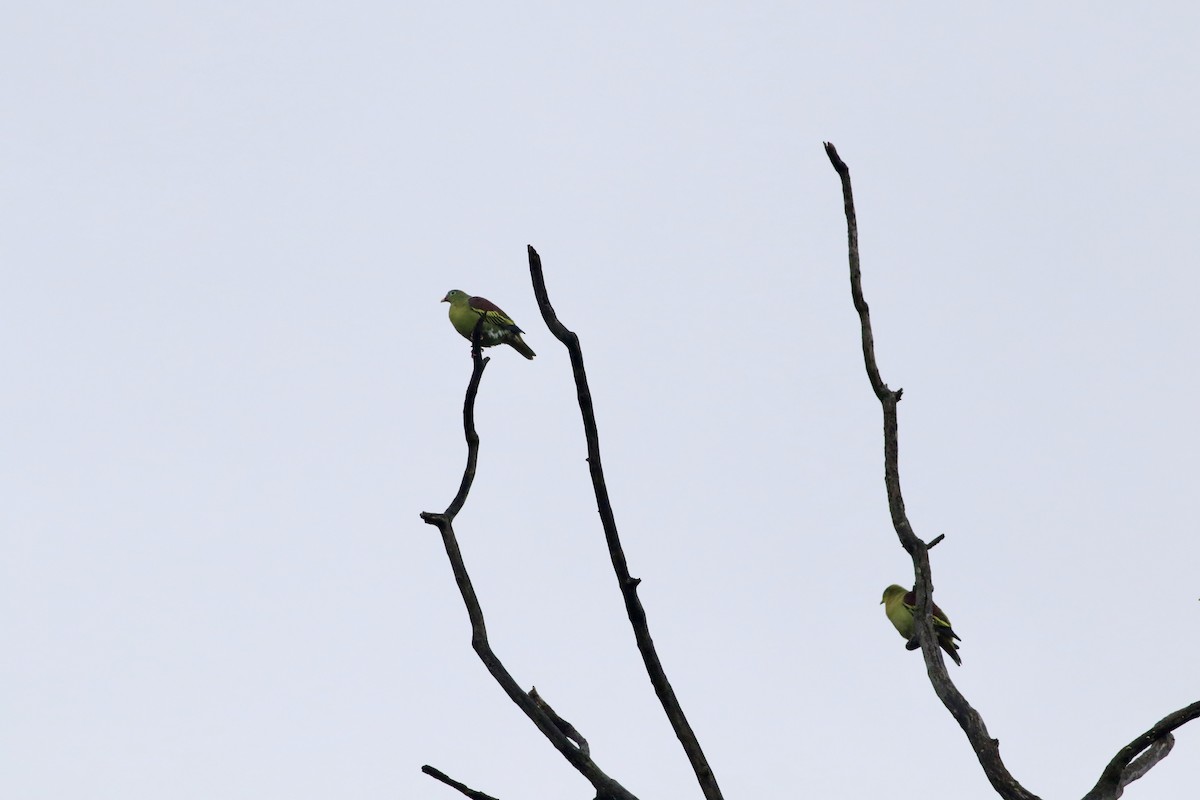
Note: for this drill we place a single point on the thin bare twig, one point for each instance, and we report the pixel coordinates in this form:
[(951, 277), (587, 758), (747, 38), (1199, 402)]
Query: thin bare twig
[(1126, 766), (434, 772), (627, 583), (606, 788)]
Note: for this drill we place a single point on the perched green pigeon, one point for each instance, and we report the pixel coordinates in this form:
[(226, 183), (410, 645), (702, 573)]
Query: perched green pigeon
[(498, 327), (900, 603)]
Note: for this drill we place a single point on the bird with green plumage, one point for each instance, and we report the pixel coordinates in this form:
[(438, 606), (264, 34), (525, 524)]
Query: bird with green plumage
[(498, 327), (901, 605)]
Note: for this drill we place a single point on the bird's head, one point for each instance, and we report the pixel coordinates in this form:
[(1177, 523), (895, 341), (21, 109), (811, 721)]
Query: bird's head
[(455, 297), (892, 592)]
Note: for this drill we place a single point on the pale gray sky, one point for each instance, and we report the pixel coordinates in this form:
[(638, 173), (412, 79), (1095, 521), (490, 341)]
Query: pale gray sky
[(230, 389)]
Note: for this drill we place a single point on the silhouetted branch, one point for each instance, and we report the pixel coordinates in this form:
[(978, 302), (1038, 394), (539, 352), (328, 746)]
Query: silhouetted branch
[(628, 584), (468, 477), (1156, 743), (606, 787), (567, 728), (987, 749), (1126, 766), (446, 779)]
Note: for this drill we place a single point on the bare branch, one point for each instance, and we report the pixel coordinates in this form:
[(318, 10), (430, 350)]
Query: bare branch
[(468, 477), (434, 772), (1156, 743), (628, 584), (1146, 761), (567, 728), (1126, 766), (987, 749), (606, 787)]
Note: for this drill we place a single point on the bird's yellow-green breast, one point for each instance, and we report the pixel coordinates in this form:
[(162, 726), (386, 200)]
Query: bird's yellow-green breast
[(898, 613)]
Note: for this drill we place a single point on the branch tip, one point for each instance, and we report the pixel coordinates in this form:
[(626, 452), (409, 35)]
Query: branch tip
[(835, 159), (437, 774)]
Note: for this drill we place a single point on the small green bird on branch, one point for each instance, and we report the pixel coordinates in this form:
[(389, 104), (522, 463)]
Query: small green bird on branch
[(900, 604), (498, 327)]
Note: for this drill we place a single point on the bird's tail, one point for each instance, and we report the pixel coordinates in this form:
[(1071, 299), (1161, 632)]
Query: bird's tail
[(519, 345), (951, 648)]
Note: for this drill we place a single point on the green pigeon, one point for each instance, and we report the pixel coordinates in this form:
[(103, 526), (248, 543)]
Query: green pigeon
[(899, 603), (498, 327)]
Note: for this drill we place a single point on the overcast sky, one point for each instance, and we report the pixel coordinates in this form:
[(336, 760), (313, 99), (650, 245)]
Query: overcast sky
[(229, 389)]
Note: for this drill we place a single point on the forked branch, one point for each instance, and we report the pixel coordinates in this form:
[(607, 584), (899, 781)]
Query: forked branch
[(1153, 745), (1126, 766), (627, 583)]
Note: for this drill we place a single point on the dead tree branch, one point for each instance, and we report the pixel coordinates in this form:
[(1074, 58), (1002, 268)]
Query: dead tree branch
[(987, 749), (1125, 767), (627, 583), (606, 788), (1154, 744), (567, 728), (436, 773)]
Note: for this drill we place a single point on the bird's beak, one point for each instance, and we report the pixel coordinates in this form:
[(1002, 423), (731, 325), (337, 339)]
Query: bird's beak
[(880, 602), (445, 299)]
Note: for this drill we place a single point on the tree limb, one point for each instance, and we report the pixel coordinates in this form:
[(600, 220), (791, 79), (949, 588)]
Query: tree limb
[(434, 772), (627, 583), (567, 728), (987, 749), (1125, 767), (1155, 743), (606, 787)]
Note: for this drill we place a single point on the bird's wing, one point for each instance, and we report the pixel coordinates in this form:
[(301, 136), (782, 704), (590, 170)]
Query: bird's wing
[(492, 312), (939, 616)]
